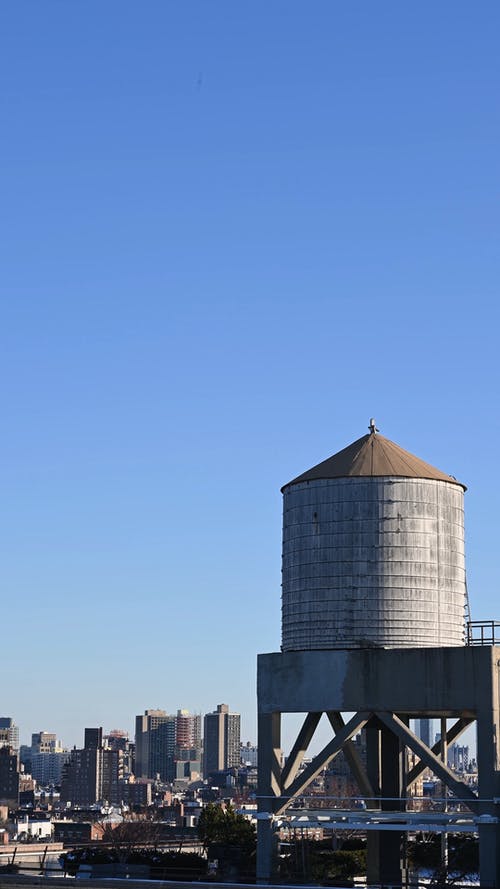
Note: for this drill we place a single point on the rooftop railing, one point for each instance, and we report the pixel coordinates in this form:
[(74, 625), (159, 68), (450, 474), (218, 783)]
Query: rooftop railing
[(483, 632)]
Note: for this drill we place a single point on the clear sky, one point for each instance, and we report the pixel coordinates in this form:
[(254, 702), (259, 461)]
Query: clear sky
[(231, 232)]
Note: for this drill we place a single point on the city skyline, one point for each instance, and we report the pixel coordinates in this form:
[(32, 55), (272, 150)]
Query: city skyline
[(232, 233), (24, 736)]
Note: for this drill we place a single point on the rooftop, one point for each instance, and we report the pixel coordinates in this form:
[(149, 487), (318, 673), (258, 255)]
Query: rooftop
[(373, 455)]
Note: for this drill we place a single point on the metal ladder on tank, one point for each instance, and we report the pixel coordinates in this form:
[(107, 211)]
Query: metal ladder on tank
[(468, 619)]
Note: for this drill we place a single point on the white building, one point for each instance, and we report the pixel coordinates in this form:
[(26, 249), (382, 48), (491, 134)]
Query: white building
[(46, 768), (37, 829)]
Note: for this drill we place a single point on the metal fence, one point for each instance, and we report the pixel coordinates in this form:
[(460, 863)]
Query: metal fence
[(483, 632)]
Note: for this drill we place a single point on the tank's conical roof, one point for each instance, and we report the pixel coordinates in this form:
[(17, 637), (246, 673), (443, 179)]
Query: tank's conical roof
[(373, 455)]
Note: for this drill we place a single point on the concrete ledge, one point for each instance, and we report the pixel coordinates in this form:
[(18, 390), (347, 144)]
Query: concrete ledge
[(418, 681)]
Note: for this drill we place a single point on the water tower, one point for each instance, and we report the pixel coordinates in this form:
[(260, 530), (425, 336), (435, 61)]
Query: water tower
[(374, 625)]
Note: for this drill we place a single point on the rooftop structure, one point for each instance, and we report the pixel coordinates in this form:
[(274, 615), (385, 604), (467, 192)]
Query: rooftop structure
[(373, 552)]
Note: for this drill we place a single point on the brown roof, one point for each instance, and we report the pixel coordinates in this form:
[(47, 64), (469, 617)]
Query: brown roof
[(373, 455)]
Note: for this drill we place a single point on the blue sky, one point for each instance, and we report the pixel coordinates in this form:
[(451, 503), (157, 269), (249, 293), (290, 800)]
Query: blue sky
[(231, 233)]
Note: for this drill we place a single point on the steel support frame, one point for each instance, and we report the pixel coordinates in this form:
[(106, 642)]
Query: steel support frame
[(363, 683)]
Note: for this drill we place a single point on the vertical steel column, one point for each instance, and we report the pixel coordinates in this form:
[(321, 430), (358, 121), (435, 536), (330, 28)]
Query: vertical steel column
[(373, 768), (443, 745), (391, 842), (488, 763), (385, 766), (269, 747)]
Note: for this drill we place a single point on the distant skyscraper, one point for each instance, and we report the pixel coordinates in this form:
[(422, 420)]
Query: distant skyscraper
[(117, 740), (9, 777), (81, 777), (45, 742), (154, 745), (47, 758), (188, 738), (92, 774), (9, 733), (81, 781), (47, 768), (249, 755), (92, 738), (221, 742), (425, 731), (112, 776), (187, 729)]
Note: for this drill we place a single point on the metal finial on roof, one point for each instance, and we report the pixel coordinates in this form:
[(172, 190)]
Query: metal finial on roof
[(372, 427)]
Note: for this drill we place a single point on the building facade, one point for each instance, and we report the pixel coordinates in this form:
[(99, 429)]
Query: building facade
[(9, 777), (155, 745), (92, 774), (221, 742), (9, 733), (47, 768)]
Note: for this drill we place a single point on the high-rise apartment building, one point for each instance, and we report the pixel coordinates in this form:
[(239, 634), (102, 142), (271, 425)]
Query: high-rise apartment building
[(9, 733), (81, 781), (221, 742), (81, 777), (9, 777), (154, 744), (92, 738), (112, 776), (424, 728), (187, 729), (47, 768), (45, 742), (188, 744), (47, 758), (93, 773), (117, 739)]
